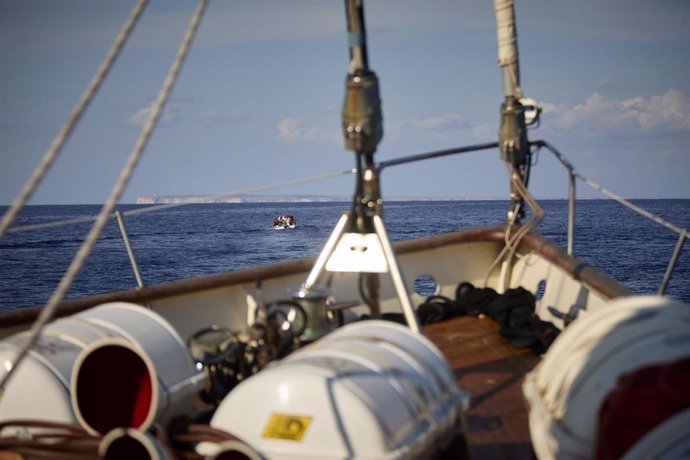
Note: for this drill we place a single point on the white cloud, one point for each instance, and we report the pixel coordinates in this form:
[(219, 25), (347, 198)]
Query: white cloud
[(140, 116), (291, 130), (444, 122), (447, 127), (485, 131), (219, 115), (598, 115)]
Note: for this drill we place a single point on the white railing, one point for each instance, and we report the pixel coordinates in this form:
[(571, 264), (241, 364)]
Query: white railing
[(573, 174)]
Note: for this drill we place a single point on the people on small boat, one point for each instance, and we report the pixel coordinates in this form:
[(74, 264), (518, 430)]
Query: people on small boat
[(284, 221)]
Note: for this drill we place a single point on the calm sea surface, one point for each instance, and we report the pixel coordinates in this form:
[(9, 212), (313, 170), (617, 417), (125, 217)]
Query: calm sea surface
[(197, 240)]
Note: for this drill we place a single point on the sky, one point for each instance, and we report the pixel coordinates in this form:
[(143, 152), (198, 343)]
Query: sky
[(258, 100)]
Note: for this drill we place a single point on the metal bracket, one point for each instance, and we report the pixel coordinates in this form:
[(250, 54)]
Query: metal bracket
[(363, 253)]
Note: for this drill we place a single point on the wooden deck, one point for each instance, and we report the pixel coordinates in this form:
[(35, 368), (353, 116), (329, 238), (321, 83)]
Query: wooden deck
[(491, 371)]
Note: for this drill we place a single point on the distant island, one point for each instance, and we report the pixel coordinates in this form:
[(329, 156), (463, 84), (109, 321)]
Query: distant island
[(190, 199)]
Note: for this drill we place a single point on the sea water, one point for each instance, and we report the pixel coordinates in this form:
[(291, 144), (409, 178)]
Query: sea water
[(202, 239)]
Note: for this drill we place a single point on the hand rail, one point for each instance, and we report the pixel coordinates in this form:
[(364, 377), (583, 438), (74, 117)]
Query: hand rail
[(573, 175), (682, 232), (128, 247)]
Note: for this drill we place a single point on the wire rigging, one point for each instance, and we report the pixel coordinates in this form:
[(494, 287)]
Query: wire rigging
[(107, 210), (641, 211), (162, 207), (59, 141)]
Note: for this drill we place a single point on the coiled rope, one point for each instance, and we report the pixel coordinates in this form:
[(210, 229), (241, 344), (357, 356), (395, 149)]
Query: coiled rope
[(37, 439), (46, 439)]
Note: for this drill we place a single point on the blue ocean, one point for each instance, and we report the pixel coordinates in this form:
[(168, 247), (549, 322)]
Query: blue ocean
[(201, 239)]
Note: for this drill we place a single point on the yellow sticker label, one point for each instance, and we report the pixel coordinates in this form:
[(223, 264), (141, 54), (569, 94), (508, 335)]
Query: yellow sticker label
[(289, 427)]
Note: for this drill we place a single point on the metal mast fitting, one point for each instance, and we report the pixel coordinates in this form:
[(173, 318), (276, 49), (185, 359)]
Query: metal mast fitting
[(359, 243), (362, 119)]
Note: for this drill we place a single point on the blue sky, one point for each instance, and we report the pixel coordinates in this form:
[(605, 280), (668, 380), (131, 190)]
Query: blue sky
[(258, 99)]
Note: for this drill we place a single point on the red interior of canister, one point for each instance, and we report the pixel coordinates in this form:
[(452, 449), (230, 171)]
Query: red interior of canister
[(114, 388)]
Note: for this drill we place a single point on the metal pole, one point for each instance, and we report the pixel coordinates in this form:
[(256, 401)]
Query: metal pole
[(326, 252), (357, 37), (397, 276), (128, 247), (672, 262), (571, 213)]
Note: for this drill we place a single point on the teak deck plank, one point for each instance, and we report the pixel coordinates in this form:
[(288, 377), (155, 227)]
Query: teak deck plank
[(491, 371)]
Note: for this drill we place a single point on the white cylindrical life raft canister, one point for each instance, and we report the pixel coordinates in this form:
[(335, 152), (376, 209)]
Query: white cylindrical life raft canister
[(123, 443), (566, 390), (39, 389), (115, 365), (234, 450), (371, 389)]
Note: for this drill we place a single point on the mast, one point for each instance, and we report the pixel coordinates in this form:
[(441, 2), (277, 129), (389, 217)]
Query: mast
[(507, 47), (513, 129), (362, 119), (512, 136), (359, 243)]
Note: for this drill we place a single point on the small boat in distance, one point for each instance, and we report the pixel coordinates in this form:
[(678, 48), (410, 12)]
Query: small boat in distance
[(283, 222)]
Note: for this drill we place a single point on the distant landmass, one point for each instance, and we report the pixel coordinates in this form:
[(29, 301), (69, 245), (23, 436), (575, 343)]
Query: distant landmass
[(165, 199), (189, 199)]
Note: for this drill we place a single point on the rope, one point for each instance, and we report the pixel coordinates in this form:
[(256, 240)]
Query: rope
[(38, 439), (184, 442), (118, 188), (511, 244), (161, 207), (59, 141), (45, 439)]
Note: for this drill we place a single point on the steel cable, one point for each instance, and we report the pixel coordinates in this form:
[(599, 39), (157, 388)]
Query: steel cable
[(107, 210), (59, 141)]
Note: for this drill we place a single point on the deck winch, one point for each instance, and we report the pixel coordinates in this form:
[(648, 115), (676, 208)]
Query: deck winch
[(319, 321)]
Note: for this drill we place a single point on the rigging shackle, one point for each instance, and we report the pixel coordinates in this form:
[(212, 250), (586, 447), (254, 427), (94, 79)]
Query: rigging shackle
[(361, 115), (367, 202)]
